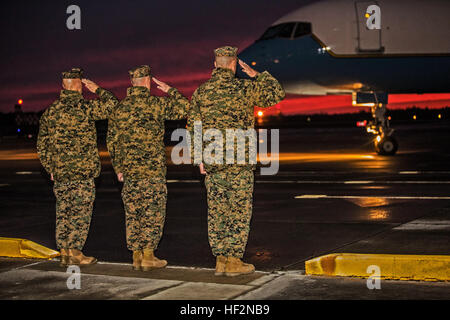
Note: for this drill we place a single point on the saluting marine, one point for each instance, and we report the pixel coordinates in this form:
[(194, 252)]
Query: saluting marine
[(136, 145), (225, 102), (67, 149)]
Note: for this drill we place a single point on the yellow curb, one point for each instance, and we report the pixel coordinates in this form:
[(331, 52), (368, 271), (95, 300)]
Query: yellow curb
[(22, 248), (391, 266)]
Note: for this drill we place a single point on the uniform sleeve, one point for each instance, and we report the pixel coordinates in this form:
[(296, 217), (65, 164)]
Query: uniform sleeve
[(102, 107), (44, 143), (113, 143), (194, 116), (266, 90), (176, 106)]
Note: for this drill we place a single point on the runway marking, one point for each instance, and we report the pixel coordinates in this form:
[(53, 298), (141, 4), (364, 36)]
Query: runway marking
[(313, 182), (424, 224), (350, 182), (360, 171), (424, 172), (324, 196), (327, 182), (27, 172), (29, 265)]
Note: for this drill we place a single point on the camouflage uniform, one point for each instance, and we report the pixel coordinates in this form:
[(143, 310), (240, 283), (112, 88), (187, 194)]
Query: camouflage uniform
[(136, 145), (225, 102), (67, 148)]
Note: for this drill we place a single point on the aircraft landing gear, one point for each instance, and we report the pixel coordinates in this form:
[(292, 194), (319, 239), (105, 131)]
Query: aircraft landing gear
[(384, 142), (386, 146)]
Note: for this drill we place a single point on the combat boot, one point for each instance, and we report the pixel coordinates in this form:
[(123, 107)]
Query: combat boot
[(149, 261), (236, 267), (64, 262), (76, 257), (220, 265), (137, 259)]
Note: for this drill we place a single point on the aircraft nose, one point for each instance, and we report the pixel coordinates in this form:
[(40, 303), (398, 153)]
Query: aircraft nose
[(253, 55)]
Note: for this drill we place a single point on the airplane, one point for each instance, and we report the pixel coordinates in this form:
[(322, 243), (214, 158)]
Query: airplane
[(365, 48)]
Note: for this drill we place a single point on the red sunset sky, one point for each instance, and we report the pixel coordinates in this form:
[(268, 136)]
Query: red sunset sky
[(175, 38)]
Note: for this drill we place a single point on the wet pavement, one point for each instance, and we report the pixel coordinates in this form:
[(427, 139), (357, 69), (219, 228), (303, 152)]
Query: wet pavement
[(332, 194)]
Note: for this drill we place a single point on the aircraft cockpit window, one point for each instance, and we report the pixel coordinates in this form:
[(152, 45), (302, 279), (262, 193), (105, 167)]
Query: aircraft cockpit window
[(283, 30), (302, 29)]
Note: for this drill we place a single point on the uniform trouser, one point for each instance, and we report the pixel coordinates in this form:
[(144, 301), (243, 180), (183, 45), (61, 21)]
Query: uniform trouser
[(145, 212), (230, 196), (74, 204)]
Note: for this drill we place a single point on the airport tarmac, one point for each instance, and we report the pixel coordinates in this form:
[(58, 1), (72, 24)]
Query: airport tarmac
[(332, 194)]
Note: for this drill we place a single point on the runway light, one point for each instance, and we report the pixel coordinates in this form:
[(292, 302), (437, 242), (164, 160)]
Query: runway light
[(378, 138), (20, 101), (253, 63), (260, 113), (361, 123)]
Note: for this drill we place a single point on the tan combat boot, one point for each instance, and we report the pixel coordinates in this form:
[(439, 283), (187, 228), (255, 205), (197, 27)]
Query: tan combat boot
[(220, 265), (149, 261), (236, 267), (76, 257), (64, 262), (137, 259)]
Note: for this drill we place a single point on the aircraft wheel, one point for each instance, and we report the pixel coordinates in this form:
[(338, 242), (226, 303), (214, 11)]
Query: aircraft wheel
[(387, 146)]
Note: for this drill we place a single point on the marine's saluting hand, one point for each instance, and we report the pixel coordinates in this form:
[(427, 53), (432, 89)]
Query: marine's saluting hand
[(202, 168), (90, 85), (161, 85), (246, 68)]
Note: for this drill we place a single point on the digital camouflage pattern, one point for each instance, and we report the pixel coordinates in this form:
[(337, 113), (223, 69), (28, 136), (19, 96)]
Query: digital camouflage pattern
[(67, 148), (226, 51), (136, 132), (229, 193), (225, 102), (67, 139), (136, 144), (145, 206), (74, 203), (140, 72), (74, 73)]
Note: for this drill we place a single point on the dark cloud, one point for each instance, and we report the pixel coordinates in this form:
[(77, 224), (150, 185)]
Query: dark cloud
[(176, 38)]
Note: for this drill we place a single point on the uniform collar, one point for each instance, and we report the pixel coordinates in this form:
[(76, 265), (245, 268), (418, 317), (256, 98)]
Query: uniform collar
[(222, 73), (134, 91), (70, 93)]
